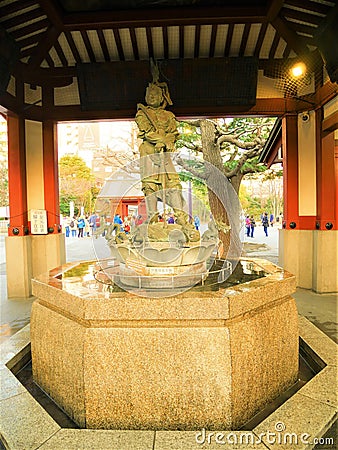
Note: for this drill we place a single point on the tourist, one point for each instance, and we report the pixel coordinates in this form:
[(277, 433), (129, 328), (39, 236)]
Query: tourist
[(93, 222), (171, 218), (139, 220), (265, 223), (272, 219), (197, 222), (247, 225), (118, 220), (126, 225), (65, 223), (87, 227), (73, 226), (81, 224), (252, 226), (133, 221)]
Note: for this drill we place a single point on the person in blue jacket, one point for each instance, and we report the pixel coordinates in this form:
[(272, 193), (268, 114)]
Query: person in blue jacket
[(80, 226), (118, 220), (265, 223)]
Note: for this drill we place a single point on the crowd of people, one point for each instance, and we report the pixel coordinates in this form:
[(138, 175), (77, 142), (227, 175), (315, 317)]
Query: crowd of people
[(83, 225), (267, 220), (130, 222)]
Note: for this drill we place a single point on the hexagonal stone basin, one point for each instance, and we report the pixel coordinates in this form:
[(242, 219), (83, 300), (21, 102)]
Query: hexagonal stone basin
[(202, 358)]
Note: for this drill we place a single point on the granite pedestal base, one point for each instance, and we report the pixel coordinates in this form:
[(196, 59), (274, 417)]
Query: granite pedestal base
[(197, 360)]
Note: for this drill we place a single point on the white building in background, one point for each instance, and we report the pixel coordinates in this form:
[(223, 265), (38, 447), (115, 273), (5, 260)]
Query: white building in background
[(80, 139), (68, 138), (86, 138)]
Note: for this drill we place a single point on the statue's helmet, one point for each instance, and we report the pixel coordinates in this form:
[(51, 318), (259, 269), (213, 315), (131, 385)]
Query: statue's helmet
[(162, 89), (155, 89)]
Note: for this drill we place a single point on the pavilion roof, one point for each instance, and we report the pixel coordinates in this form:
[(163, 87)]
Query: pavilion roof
[(47, 41)]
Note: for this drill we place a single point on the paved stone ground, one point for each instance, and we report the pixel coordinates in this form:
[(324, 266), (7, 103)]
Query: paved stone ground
[(262, 246)]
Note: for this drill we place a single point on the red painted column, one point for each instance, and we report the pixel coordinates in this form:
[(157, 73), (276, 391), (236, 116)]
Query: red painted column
[(50, 173), (17, 176), (336, 184), (327, 183), (290, 165)]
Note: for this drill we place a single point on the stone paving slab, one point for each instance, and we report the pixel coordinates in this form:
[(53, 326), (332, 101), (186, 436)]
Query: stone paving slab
[(9, 385), (24, 424), (325, 348), (100, 440), (309, 330), (14, 348), (296, 424), (317, 387)]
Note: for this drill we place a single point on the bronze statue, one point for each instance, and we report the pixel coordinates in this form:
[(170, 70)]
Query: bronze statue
[(158, 131)]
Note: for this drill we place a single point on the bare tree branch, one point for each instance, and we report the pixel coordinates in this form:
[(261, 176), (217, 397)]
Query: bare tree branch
[(192, 122), (192, 146), (233, 155), (247, 155)]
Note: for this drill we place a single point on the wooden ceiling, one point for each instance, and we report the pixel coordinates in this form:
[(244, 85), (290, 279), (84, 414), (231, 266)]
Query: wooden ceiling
[(53, 36)]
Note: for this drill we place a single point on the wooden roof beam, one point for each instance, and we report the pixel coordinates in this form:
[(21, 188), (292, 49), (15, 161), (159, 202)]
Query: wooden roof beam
[(31, 40), (244, 39), (197, 41), (150, 42), (163, 16), (103, 44), (229, 40), (73, 47), (165, 42), (273, 9), (53, 12), (313, 6), (133, 43), (213, 40), (301, 16), (118, 43), (23, 18), (15, 7), (88, 46), (29, 29), (291, 38), (181, 41), (57, 76), (44, 46)]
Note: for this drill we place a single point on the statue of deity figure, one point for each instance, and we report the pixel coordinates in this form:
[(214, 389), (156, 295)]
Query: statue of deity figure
[(158, 131)]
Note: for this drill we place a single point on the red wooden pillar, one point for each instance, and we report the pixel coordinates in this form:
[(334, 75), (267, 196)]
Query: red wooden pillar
[(17, 176), (336, 183), (51, 179), (290, 165), (327, 183)]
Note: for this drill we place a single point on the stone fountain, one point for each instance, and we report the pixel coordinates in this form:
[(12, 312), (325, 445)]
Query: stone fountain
[(141, 340), (203, 358)]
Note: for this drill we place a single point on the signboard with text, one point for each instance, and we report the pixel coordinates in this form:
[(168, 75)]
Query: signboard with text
[(38, 221)]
